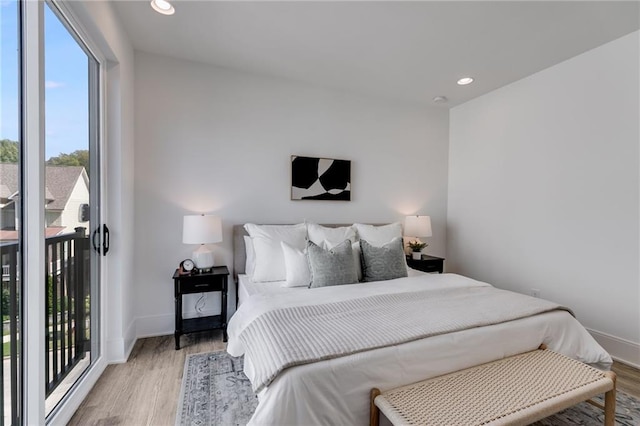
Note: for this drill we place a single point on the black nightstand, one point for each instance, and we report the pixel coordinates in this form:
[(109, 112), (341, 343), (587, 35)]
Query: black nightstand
[(216, 280), (427, 263)]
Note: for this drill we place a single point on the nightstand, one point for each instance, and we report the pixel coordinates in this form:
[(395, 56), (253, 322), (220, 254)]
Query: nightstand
[(216, 280), (427, 263)]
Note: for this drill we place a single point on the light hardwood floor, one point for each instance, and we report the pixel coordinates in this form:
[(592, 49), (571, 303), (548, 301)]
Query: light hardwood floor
[(144, 391)]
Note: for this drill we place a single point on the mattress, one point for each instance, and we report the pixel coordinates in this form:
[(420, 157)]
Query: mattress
[(247, 288), (335, 391)]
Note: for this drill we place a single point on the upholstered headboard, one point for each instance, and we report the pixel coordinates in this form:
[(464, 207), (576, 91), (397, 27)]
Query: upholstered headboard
[(240, 255)]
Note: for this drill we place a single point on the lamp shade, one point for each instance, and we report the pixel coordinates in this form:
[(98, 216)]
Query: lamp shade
[(417, 226), (201, 229)]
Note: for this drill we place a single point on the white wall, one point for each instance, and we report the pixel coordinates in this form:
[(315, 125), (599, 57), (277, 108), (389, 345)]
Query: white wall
[(216, 141), (70, 217), (544, 192)]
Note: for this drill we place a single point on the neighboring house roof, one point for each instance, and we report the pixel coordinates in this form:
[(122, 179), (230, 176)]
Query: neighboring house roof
[(59, 181), (9, 177)]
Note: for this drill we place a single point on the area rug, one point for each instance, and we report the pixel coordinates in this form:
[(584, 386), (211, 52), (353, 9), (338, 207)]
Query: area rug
[(215, 392)]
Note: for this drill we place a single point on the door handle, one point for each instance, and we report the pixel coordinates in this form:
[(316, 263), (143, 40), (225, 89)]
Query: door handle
[(96, 233), (105, 246)]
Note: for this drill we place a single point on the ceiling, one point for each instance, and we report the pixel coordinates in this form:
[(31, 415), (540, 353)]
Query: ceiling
[(409, 51)]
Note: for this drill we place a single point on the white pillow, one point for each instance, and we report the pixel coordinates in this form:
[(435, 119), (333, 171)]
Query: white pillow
[(250, 263), (319, 234), (269, 258), (357, 255), (297, 267), (378, 235)]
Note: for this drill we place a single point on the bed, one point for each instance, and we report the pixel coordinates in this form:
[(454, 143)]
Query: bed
[(335, 390)]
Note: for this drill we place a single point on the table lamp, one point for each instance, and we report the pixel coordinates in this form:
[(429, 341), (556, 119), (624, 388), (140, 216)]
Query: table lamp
[(417, 226), (202, 229)]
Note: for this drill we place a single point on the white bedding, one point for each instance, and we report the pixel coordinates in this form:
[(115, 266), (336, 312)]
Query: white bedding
[(336, 391), (247, 288)]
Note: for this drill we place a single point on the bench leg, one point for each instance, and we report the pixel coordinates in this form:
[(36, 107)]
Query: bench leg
[(374, 416), (610, 402)]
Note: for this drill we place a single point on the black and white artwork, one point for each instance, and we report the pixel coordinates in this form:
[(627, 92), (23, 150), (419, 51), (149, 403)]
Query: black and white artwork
[(320, 179)]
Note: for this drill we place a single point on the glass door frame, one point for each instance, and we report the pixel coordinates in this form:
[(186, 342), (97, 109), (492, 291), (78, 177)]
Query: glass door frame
[(33, 190), (32, 71)]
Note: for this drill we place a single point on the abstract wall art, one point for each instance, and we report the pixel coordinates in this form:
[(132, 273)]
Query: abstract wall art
[(320, 179)]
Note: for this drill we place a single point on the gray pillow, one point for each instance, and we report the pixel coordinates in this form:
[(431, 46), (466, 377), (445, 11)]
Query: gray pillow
[(331, 267), (383, 263)]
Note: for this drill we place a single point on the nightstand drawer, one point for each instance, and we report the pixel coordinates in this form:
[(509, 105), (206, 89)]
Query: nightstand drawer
[(427, 263), (429, 267), (197, 284)]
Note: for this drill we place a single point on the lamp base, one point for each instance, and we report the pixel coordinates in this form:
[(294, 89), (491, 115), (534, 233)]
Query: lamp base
[(203, 258)]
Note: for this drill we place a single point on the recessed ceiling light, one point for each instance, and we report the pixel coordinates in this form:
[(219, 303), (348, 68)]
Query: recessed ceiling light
[(440, 99), (465, 80), (163, 7)]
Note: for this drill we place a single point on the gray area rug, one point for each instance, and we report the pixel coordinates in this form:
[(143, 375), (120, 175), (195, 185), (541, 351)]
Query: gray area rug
[(215, 392)]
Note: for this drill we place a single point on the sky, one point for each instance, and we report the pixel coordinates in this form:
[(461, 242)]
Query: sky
[(66, 83)]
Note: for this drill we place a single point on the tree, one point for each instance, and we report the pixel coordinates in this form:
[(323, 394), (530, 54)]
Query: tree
[(76, 158), (9, 151)]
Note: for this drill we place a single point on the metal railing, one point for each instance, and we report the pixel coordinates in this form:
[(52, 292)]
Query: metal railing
[(67, 338), (9, 308), (67, 305)]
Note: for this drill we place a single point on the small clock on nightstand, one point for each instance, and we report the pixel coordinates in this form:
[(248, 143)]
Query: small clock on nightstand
[(427, 263), (187, 266)]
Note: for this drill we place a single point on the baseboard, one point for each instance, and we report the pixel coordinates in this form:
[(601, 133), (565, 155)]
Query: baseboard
[(67, 408), (622, 350), (129, 340), (118, 350)]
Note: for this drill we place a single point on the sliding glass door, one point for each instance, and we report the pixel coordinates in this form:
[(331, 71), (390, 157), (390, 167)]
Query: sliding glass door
[(71, 205), (51, 236)]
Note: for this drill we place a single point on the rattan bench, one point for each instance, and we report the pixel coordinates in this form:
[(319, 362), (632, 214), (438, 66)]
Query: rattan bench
[(517, 390)]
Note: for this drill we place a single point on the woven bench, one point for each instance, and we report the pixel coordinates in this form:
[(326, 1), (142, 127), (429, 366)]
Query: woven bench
[(517, 390)]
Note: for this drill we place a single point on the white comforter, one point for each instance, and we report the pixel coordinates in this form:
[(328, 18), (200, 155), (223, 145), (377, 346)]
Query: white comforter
[(336, 391)]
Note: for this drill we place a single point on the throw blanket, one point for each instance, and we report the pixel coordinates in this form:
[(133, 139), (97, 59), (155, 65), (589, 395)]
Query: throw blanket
[(291, 336)]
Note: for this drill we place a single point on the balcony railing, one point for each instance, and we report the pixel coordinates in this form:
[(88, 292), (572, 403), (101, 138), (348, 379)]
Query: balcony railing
[(9, 309), (67, 305), (67, 338)]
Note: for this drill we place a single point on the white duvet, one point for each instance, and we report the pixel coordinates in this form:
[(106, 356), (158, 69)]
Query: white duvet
[(336, 391)]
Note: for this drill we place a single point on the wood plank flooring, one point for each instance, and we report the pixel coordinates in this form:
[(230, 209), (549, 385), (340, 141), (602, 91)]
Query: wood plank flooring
[(144, 391), (628, 379)]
